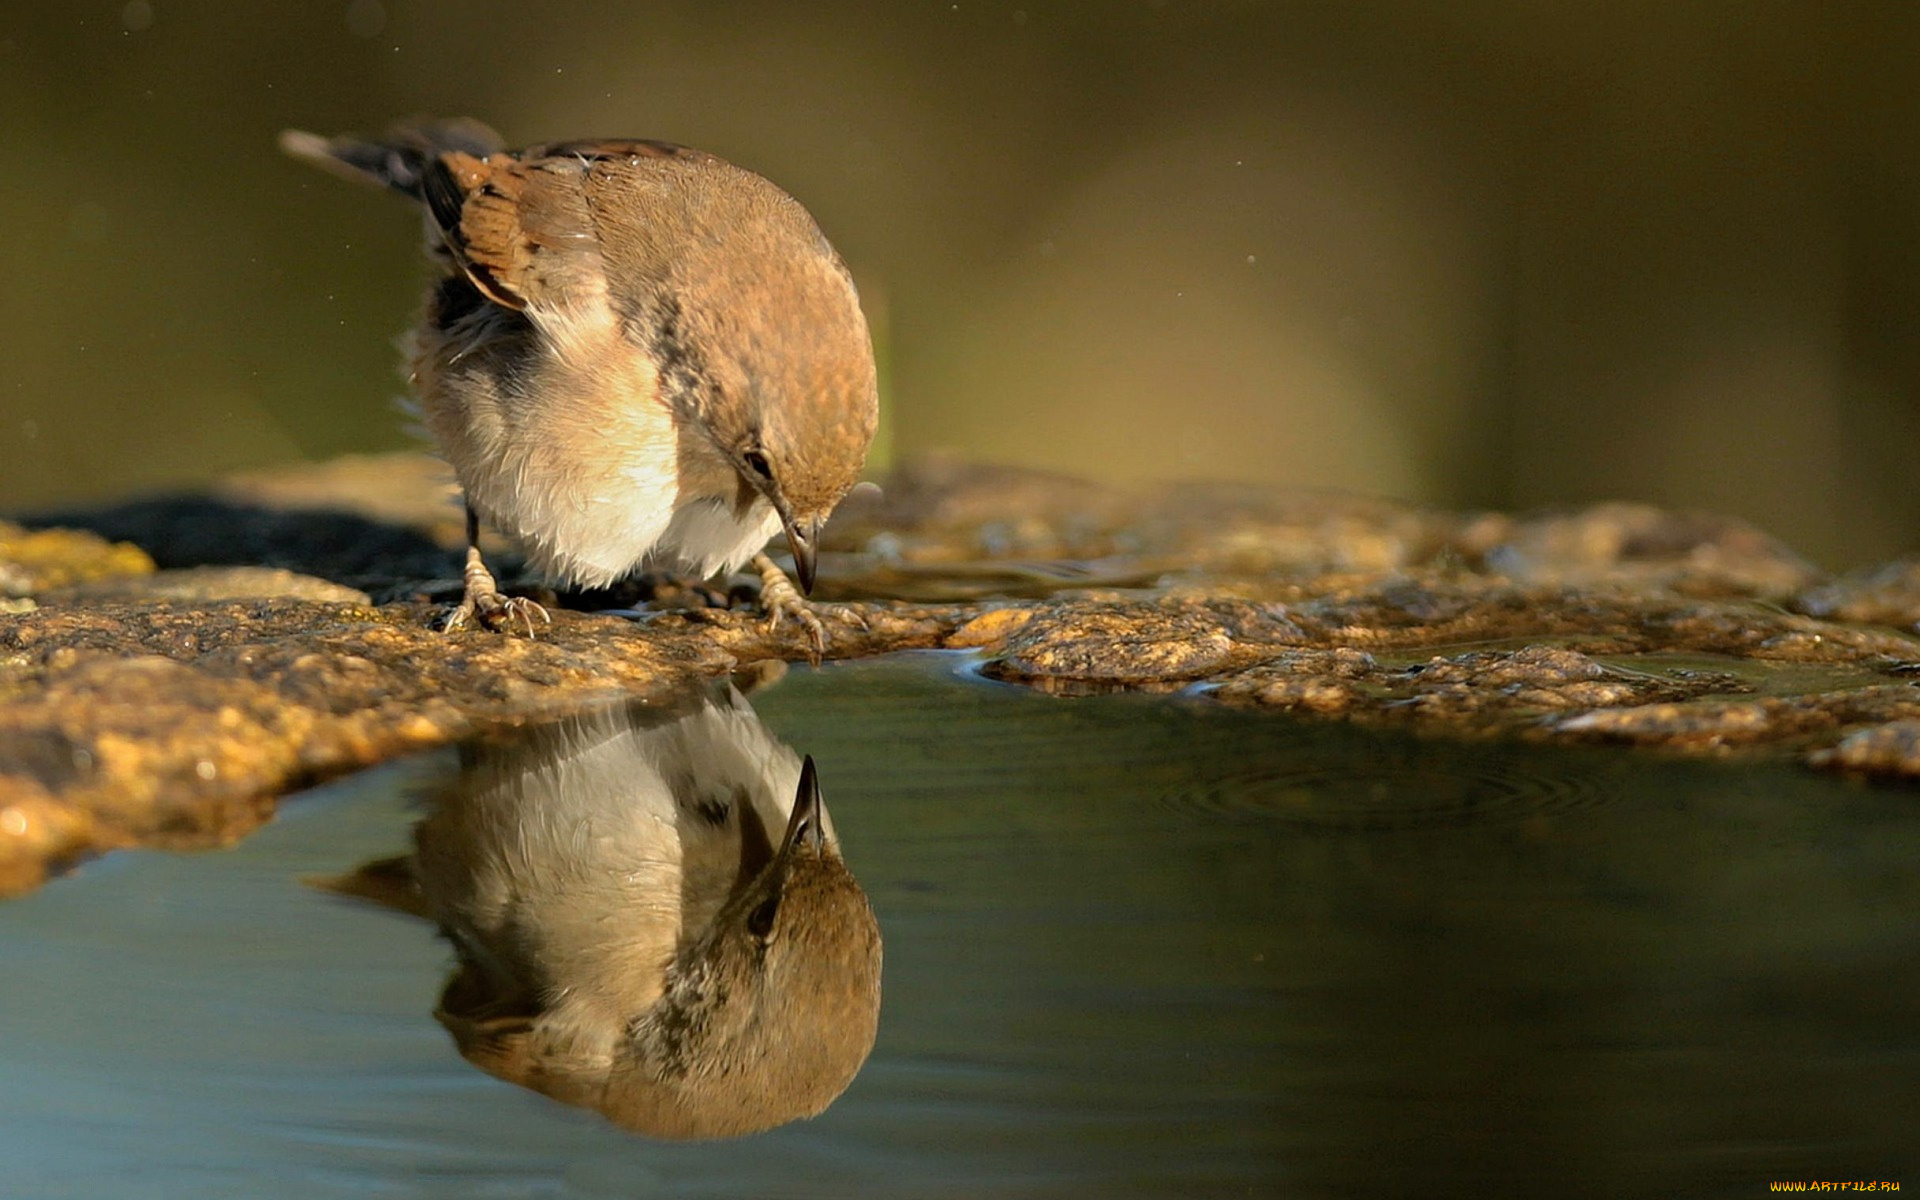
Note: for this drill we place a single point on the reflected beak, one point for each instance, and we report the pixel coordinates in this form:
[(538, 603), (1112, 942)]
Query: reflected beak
[(807, 824), (803, 554)]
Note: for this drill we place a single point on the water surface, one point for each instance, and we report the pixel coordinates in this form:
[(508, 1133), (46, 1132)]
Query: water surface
[(1135, 946)]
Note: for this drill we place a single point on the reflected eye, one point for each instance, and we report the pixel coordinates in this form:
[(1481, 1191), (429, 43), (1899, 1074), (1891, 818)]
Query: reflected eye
[(758, 464), (760, 920)]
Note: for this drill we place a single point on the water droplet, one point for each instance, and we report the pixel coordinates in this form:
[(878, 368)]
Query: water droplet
[(1400, 790), (136, 16)]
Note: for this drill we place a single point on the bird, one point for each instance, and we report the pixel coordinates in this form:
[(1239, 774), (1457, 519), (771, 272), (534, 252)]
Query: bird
[(633, 352), (651, 917)]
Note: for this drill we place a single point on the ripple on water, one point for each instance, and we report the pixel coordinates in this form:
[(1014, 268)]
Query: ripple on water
[(1409, 787)]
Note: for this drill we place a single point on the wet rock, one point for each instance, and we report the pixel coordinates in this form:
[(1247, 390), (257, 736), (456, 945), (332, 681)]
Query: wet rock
[(1722, 724), (939, 523), (942, 509), (1477, 691), (1695, 554), (1322, 681), (1224, 529), (33, 561), (197, 584), (183, 532), (1429, 610), (171, 724), (1885, 595), (1139, 643), (289, 637), (1889, 749), (1030, 525)]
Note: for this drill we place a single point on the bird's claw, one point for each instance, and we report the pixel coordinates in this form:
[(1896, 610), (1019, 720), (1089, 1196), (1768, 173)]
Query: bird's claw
[(779, 599), (491, 610), (484, 605)]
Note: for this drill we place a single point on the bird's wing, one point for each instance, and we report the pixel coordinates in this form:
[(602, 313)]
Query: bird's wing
[(523, 225), (519, 225)]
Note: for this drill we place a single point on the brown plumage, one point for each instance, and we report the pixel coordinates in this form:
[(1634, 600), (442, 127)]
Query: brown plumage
[(636, 352), (651, 917)]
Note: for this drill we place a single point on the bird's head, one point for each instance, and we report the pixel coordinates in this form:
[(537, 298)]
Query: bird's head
[(770, 356), (770, 1013)]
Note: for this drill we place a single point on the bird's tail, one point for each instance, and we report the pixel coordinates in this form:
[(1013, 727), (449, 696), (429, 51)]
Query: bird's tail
[(398, 160)]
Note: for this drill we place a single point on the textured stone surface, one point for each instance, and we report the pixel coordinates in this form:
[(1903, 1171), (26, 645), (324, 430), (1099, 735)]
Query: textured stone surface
[(1889, 749), (173, 724), (144, 708), (203, 584), (1137, 642), (33, 561), (1884, 595)]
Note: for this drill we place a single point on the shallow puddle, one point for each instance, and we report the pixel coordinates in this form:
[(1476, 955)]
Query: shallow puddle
[(1134, 946)]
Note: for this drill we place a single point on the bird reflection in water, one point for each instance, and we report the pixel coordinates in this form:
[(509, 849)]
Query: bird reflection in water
[(651, 918)]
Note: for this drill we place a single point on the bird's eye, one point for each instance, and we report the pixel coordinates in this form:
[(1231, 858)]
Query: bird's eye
[(760, 920), (758, 464)]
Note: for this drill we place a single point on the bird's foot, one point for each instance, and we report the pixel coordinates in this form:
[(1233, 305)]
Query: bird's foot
[(485, 605), (496, 611), (779, 599)]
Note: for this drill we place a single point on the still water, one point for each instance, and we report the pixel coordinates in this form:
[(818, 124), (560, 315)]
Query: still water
[(1134, 946)]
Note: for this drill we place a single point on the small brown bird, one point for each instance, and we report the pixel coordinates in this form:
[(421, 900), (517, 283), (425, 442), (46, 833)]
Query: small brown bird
[(636, 352), (652, 918)]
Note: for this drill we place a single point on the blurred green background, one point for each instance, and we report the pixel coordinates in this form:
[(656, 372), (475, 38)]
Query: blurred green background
[(1471, 252)]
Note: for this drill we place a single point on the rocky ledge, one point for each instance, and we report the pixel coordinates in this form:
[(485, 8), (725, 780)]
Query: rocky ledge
[(170, 665)]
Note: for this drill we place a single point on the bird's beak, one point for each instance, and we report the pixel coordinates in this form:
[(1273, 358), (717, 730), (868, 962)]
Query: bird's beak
[(802, 546), (808, 823)]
